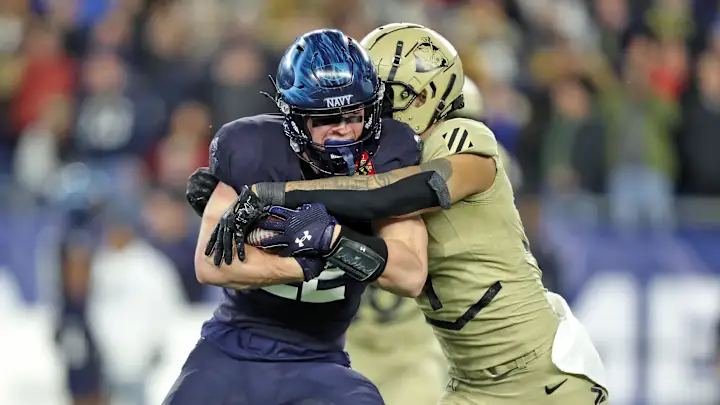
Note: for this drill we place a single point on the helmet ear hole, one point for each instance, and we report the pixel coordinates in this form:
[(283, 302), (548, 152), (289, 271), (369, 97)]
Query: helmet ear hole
[(420, 99)]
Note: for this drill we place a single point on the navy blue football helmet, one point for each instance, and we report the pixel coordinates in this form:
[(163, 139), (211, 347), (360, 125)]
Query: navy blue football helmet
[(325, 73)]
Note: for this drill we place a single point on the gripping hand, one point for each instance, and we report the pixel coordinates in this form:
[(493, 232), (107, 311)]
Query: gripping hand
[(305, 231), (234, 226)]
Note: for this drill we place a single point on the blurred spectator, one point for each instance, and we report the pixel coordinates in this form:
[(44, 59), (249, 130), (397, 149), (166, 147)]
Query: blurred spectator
[(118, 121), (117, 116), (670, 19), (171, 72), (113, 34), (12, 18), (74, 335), (135, 296), (506, 112), (704, 14), (47, 72), (552, 19), (43, 147), (669, 76), (184, 148), (613, 19), (491, 41), (172, 231), (550, 64), (69, 13), (207, 24), (573, 157), (699, 140), (12, 26), (639, 122), (238, 75)]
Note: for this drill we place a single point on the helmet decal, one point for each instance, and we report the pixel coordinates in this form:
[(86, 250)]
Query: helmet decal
[(428, 57)]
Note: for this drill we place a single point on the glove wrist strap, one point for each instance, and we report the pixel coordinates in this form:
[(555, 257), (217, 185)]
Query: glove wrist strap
[(361, 257)]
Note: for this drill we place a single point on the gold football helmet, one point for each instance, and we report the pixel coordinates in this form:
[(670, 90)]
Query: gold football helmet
[(416, 63)]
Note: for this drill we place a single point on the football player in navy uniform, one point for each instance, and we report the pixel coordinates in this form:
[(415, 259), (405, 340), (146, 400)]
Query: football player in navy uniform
[(278, 335), (80, 203)]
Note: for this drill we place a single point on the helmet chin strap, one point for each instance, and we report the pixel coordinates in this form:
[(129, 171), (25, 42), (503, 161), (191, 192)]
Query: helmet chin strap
[(338, 146)]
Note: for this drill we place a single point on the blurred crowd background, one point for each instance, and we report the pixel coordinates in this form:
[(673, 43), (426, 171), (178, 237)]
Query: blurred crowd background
[(611, 109)]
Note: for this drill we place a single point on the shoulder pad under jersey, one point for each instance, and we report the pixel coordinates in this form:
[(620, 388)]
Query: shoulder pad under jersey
[(459, 135), (399, 147), (251, 150)]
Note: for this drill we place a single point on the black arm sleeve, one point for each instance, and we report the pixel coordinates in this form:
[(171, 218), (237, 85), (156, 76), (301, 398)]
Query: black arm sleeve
[(413, 193)]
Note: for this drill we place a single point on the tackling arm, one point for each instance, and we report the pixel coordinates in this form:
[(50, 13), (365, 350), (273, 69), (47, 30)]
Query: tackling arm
[(401, 193), (259, 268), (395, 259), (407, 264)]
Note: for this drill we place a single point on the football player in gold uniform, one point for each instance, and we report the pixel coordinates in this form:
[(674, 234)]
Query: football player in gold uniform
[(390, 344), (507, 340)]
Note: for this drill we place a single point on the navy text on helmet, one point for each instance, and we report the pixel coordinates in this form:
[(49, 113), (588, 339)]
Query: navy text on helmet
[(326, 73)]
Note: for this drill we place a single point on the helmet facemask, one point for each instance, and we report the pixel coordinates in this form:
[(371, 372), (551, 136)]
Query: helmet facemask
[(335, 157), (400, 97)]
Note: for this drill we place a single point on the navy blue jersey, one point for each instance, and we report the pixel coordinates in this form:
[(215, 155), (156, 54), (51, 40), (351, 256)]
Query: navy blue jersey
[(313, 315)]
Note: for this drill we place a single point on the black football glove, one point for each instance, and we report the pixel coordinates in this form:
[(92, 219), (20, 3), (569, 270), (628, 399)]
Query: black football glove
[(311, 266), (234, 226), (200, 187)]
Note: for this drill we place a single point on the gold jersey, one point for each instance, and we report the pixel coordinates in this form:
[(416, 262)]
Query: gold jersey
[(397, 319), (390, 344), (484, 297)]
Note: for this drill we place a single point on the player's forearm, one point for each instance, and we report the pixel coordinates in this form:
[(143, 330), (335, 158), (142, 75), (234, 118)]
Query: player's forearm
[(400, 193), (405, 272), (258, 270), (407, 265)]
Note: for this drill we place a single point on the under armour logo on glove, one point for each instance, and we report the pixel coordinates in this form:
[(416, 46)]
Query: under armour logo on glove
[(307, 230), (306, 236)]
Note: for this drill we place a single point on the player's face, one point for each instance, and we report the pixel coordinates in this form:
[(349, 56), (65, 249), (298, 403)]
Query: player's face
[(346, 127)]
